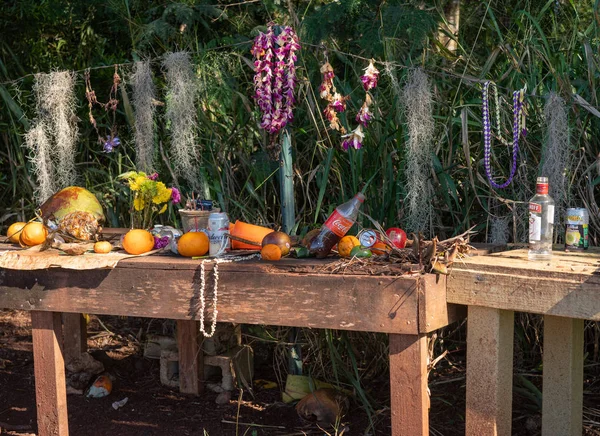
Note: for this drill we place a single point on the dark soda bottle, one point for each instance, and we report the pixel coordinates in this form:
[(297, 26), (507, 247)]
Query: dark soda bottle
[(335, 228)]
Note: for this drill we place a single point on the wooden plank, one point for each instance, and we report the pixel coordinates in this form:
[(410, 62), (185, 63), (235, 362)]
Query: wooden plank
[(563, 376), (74, 335), (489, 372), (569, 290), (434, 311), (49, 370), (408, 384), (191, 357), (362, 303)]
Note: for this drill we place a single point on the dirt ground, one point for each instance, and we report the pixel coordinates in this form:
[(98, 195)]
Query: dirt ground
[(153, 409)]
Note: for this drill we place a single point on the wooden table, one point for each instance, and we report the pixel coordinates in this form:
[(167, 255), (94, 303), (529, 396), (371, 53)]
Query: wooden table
[(286, 293), (566, 290)]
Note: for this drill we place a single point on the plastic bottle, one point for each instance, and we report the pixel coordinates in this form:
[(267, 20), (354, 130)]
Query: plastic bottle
[(541, 222), (337, 225)]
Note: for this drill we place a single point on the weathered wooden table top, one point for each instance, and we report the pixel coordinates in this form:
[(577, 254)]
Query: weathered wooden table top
[(291, 292), (568, 285)]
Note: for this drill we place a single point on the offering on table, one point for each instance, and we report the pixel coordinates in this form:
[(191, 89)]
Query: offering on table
[(248, 232), (576, 229), (336, 226), (218, 226), (281, 239)]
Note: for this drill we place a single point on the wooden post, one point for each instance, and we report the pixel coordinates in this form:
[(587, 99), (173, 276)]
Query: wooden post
[(408, 384), (74, 335), (49, 370), (191, 357), (563, 376), (489, 371)]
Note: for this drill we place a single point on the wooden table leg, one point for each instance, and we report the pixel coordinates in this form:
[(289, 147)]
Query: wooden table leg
[(563, 376), (75, 335), (408, 383), (489, 371), (191, 357), (49, 370)]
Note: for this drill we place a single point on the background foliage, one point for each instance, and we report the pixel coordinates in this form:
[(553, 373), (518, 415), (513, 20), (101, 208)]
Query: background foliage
[(547, 45)]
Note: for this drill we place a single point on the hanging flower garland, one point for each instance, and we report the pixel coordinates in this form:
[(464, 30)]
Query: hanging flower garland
[(518, 130), (336, 102), (369, 80), (112, 140), (275, 79)]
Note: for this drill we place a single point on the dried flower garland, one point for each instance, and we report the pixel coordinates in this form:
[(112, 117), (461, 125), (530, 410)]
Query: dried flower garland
[(112, 140), (336, 102), (518, 129), (369, 80), (275, 79)]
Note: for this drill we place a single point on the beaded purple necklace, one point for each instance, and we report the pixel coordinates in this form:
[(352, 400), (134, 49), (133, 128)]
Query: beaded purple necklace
[(518, 128)]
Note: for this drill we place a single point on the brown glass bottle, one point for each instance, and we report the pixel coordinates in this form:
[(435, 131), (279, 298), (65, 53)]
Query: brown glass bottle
[(337, 225)]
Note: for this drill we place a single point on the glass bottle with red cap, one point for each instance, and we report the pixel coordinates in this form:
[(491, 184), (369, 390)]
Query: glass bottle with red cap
[(541, 222)]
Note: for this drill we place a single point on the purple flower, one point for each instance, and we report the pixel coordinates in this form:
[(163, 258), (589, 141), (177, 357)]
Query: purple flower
[(369, 79), (110, 143), (161, 242), (175, 195), (275, 76), (353, 139), (153, 176), (339, 103)]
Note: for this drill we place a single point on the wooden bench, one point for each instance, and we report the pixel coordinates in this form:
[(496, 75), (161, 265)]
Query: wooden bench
[(286, 293), (566, 291)]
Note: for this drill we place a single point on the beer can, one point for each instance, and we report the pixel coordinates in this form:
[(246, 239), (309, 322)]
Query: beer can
[(218, 225), (576, 229)]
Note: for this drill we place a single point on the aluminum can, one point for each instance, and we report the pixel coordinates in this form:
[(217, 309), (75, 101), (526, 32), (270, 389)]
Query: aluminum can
[(576, 229), (218, 225)]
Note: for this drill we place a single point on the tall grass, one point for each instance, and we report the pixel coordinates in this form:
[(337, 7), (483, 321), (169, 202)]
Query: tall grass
[(549, 48)]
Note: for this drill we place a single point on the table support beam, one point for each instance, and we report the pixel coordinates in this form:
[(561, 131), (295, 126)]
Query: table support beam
[(408, 384), (563, 376), (489, 371), (75, 335), (49, 370), (191, 357)]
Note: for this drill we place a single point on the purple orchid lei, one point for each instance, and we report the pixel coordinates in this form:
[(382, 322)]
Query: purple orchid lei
[(353, 139), (518, 129), (275, 79)]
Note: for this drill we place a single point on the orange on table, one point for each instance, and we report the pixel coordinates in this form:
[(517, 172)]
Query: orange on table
[(380, 248), (14, 231), (346, 244), (193, 244), (270, 252), (138, 241), (103, 247), (33, 233), (249, 232)]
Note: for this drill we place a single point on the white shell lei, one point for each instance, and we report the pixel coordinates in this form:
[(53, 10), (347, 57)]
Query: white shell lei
[(217, 261)]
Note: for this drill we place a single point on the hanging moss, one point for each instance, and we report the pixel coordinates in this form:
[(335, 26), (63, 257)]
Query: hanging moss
[(418, 108), (144, 97)]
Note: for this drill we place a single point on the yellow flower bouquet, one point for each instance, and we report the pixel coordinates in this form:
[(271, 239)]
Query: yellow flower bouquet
[(150, 197)]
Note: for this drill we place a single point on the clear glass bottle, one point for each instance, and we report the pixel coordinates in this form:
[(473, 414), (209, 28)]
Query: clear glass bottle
[(541, 222)]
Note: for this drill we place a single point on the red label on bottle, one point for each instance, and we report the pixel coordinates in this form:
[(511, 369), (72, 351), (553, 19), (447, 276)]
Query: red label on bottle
[(541, 188), (535, 208), (338, 224)]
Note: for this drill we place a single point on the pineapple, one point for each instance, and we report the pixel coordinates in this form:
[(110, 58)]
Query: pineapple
[(80, 225)]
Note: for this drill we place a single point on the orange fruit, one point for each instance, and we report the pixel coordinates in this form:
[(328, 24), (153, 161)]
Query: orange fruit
[(103, 247), (346, 244), (270, 252), (193, 244), (380, 248), (33, 233), (138, 241), (14, 231)]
